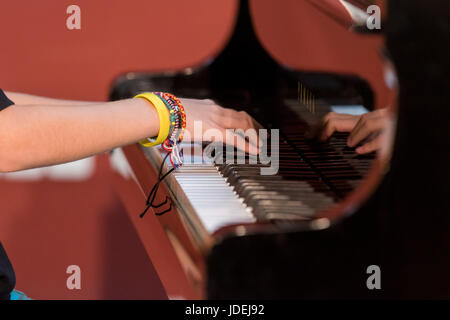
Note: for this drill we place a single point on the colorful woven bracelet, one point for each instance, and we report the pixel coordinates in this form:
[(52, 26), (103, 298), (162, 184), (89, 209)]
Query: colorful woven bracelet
[(179, 123), (176, 105), (178, 119)]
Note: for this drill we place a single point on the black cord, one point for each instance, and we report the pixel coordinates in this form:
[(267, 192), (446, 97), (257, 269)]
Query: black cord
[(152, 196)]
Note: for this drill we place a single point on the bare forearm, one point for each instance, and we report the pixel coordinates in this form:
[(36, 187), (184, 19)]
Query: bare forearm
[(40, 131), (29, 99), (40, 135)]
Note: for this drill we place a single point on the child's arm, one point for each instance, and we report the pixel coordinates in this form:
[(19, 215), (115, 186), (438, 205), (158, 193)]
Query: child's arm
[(42, 134)]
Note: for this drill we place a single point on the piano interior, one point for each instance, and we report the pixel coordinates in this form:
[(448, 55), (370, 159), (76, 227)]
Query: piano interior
[(223, 230)]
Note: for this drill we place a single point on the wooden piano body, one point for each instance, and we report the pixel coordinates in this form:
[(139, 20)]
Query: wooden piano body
[(323, 257)]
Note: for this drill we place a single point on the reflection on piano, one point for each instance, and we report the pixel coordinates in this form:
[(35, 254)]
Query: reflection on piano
[(230, 232)]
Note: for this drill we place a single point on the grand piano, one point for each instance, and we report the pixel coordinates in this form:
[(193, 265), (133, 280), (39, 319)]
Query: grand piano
[(221, 230)]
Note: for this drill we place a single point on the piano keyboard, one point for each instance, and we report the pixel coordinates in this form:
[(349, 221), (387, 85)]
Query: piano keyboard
[(311, 178)]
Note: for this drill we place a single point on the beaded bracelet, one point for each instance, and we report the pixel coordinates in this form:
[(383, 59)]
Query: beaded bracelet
[(179, 119), (179, 123)]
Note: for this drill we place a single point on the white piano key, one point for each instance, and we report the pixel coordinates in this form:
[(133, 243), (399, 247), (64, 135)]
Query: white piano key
[(214, 200)]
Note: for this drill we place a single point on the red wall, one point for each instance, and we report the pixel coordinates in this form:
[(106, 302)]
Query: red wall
[(48, 225), (42, 56)]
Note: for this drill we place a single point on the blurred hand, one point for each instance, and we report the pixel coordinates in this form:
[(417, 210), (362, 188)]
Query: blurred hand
[(215, 118), (365, 131)]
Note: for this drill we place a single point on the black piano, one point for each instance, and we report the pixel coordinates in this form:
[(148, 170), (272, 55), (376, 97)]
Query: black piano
[(312, 230)]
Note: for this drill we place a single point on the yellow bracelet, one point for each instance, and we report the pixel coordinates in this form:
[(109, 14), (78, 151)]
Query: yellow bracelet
[(164, 120)]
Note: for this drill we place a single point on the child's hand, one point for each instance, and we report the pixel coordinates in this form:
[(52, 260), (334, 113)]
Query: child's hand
[(366, 130), (215, 121)]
